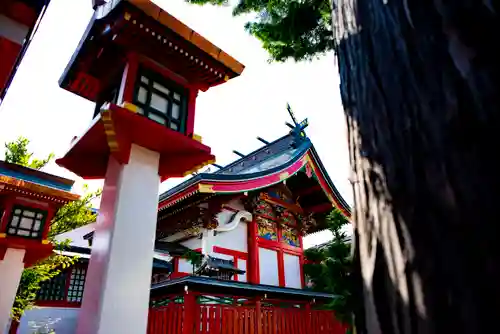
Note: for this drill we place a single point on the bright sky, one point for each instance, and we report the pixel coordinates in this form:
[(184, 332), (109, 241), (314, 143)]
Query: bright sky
[(228, 117)]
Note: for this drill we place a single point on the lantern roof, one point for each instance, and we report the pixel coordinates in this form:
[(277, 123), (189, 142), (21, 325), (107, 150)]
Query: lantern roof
[(18, 179), (121, 27)]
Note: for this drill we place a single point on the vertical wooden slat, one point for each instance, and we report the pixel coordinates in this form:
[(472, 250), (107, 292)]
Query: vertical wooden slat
[(258, 319), (230, 321), (251, 329), (241, 315), (270, 321), (263, 321), (296, 321), (162, 321), (180, 314), (277, 322), (246, 315), (265, 327), (204, 320), (210, 318), (171, 319), (282, 321), (303, 320), (236, 322), (223, 322), (217, 320), (313, 323)]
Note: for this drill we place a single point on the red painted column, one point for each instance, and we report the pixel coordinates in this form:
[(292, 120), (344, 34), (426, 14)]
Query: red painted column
[(129, 77), (253, 254), (50, 215), (281, 267), (189, 312), (7, 206), (193, 93)]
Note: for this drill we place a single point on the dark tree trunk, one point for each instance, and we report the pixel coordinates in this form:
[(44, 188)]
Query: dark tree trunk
[(420, 85)]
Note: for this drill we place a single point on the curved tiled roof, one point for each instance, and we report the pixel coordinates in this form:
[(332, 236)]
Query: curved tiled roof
[(266, 166)]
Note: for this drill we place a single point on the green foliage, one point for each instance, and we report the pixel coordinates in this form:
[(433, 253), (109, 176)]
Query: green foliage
[(301, 30), (74, 214), (32, 278), (70, 216), (330, 267), (194, 257), (17, 153)]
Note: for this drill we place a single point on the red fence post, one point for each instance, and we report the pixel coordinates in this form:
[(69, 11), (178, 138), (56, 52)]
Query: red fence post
[(189, 313), (308, 318), (258, 317)]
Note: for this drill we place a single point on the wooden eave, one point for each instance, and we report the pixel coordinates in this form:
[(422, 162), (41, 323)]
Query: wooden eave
[(142, 27), (13, 185)]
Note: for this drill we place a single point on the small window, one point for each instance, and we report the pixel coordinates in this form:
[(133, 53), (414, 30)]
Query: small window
[(161, 101), (53, 289), (76, 284), (26, 222)]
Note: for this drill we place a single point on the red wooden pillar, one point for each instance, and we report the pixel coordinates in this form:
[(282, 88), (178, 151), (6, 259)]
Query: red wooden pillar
[(253, 253), (51, 212), (193, 93), (189, 313), (258, 317), (308, 316), (7, 206)]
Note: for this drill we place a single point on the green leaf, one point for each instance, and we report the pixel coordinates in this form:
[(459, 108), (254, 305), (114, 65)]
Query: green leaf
[(16, 152)]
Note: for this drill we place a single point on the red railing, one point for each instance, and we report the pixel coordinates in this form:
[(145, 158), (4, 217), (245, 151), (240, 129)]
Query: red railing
[(223, 319), (166, 319)]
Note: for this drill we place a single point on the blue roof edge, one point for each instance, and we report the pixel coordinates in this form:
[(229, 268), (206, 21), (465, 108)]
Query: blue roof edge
[(228, 177), (183, 281)]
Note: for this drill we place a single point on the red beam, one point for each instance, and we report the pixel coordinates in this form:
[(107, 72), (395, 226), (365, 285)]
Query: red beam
[(308, 191), (319, 208)]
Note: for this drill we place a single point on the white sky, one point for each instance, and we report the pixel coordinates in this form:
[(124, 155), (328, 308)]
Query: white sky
[(228, 117)]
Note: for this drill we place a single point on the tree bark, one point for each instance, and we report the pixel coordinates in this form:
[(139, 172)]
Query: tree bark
[(420, 85)]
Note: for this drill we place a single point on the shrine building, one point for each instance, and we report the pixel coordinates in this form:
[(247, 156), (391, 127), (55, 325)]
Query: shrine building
[(220, 253), (247, 221)]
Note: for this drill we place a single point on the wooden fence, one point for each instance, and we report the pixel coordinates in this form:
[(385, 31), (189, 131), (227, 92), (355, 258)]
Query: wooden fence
[(222, 319), (166, 319)]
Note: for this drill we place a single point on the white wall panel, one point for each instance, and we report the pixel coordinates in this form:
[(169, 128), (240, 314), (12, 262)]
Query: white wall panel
[(242, 264), (292, 271), (268, 267)]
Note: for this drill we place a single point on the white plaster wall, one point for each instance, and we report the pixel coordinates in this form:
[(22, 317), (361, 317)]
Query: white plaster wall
[(236, 239), (268, 267), (64, 319), (242, 264), (76, 235), (193, 243), (292, 271)]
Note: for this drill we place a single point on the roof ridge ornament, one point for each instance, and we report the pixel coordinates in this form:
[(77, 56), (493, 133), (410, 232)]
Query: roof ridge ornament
[(297, 129)]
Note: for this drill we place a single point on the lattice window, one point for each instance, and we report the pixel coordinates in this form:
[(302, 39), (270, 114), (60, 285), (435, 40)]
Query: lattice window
[(161, 101), (53, 289), (26, 222), (76, 284)]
